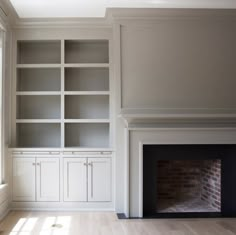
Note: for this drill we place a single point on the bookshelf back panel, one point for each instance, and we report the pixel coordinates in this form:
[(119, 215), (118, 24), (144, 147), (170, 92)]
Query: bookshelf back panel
[(87, 79), (39, 52), (38, 107), (94, 135), (38, 135), (39, 79), (93, 51), (87, 106)]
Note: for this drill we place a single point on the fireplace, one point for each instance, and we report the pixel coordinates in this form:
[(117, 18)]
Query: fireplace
[(198, 138), (189, 180)]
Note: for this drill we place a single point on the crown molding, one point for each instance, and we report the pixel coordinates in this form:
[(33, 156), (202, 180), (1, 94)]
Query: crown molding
[(62, 22), (114, 14), (117, 14)]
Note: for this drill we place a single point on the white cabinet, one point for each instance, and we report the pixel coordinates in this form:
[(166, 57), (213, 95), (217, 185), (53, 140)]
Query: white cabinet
[(24, 179), (75, 179), (87, 179), (99, 179), (35, 179), (47, 176)]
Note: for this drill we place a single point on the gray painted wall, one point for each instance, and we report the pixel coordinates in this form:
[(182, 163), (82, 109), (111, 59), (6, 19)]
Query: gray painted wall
[(179, 63)]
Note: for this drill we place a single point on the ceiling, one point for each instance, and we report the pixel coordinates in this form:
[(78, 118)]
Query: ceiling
[(97, 8)]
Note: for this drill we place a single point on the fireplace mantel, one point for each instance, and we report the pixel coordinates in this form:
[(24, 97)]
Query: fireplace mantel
[(151, 117)]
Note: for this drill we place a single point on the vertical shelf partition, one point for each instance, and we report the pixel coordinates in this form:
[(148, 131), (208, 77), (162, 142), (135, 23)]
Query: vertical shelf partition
[(62, 94)]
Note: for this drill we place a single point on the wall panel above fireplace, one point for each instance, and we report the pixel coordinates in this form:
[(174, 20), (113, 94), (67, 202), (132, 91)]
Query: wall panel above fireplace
[(179, 62)]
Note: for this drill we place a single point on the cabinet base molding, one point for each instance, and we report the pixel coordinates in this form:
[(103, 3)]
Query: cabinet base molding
[(39, 206)]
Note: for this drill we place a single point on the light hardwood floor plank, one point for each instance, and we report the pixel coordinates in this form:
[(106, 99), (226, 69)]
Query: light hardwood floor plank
[(106, 223)]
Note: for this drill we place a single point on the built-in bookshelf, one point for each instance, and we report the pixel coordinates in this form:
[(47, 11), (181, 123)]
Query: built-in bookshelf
[(62, 94)]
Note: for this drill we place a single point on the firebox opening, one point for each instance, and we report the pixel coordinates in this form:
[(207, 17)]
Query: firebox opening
[(188, 186)]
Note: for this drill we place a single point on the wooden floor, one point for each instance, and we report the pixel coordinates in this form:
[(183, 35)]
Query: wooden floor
[(97, 223)]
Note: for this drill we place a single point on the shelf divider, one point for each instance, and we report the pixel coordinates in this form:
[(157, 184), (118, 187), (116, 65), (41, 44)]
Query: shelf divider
[(87, 93), (87, 65), (62, 94), (38, 120), (87, 120), (38, 93), (38, 66)]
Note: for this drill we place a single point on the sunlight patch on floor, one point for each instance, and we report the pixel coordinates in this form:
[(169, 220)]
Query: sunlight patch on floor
[(24, 226), (58, 225)]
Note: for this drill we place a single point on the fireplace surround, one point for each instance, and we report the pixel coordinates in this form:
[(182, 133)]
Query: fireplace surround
[(189, 180), (158, 128)]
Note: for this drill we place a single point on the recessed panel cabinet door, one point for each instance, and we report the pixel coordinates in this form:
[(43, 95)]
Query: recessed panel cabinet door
[(24, 179), (75, 179), (99, 179), (48, 188)]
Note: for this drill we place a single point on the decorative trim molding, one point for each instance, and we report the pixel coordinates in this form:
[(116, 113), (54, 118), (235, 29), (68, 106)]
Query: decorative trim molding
[(62, 22), (169, 13), (151, 117), (139, 138), (117, 14)]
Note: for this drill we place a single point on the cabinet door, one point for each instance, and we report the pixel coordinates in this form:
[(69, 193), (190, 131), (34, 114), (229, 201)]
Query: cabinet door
[(75, 179), (99, 179), (48, 188), (23, 179)]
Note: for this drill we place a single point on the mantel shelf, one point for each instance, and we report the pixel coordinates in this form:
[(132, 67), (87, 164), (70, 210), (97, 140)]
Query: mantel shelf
[(197, 116)]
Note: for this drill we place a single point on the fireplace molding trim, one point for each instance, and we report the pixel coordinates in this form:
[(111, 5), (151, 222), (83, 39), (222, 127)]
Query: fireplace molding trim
[(137, 117), (140, 154), (223, 131)]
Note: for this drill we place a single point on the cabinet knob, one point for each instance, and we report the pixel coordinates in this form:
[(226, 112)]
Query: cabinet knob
[(33, 164)]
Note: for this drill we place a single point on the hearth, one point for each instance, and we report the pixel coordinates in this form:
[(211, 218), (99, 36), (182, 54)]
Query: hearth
[(189, 180)]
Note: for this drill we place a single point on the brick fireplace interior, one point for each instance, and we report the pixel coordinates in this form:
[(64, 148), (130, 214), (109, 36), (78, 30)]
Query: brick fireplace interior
[(189, 185), (189, 180)]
